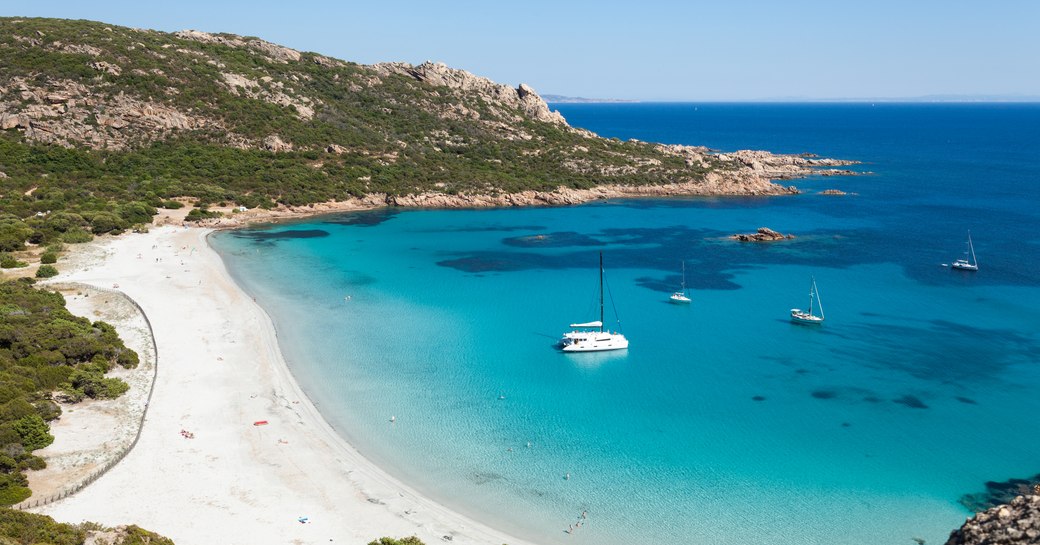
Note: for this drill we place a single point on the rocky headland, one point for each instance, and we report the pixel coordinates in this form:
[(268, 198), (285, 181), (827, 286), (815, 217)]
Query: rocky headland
[(220, 119), (1016, 523)]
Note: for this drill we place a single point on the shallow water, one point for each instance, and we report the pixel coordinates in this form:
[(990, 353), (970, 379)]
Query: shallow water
[(723, 423)]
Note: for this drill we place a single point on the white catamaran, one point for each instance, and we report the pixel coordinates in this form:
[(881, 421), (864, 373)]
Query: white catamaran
[(680, 296), (807, 316), (590, 336), (964, 264)]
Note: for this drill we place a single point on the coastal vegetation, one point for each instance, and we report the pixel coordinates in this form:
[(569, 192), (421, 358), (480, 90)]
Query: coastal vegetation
[(102, 125), (410, 540), (21, 528), (46, 354)]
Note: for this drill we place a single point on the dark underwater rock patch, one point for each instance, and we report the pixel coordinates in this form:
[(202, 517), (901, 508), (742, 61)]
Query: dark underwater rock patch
[(824, 394), (998, 493), (261, 236), (913, 402), (966, 400), (561, 239), (368, 218)]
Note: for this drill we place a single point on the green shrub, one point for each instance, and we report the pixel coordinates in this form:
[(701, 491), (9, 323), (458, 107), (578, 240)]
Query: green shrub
[(49, 258), (139, 536), (47, 409), (76, 236), (8, 261), (22, 528), (46, 271), (33, 431), (410, 540), (198, 214), (107, 222), (172, 205), (14, 493), (13, 234), (32, 463), (90, 382), (136, 212)]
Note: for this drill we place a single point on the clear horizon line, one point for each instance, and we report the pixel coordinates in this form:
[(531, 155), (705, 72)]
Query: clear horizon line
[(974, 99)]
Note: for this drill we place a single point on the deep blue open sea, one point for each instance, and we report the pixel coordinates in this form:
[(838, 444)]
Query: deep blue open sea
[(723, 423)]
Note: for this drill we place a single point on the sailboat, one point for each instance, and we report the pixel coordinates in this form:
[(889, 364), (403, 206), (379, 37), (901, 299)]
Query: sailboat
[(591, 336), (680, 296), (806, 316), (964, 264)]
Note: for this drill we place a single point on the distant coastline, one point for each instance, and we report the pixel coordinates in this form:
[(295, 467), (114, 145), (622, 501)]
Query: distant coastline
[(561, 99)]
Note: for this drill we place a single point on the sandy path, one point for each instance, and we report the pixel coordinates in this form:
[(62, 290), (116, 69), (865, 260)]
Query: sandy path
[(220, 371)]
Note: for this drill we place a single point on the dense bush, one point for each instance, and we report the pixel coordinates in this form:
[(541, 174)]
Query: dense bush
[(33, 431), (410, 540), (76, 236), (201, 213), (49, 257), (139, 536), (89, 381), (43, 348), (22, 528), (13, 234), (46, 271), (8, 261)]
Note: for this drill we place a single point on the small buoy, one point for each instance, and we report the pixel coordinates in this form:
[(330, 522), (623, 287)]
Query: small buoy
[(393, 419), (502, 396), (567, 477)]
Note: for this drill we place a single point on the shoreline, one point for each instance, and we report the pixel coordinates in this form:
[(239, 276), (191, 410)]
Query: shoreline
[(222, 371), (752, 174)]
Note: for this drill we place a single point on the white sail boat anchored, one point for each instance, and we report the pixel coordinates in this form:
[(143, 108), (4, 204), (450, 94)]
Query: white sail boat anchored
[(808, 316), (964, 264), (591, 336), (680, 296)]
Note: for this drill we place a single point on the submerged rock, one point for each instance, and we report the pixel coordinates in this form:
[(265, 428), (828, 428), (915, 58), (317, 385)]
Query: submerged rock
[(998, 492)]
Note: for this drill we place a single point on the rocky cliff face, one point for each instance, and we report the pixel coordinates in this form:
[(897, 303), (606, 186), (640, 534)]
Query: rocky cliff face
[(522, 98), (1017, 523)]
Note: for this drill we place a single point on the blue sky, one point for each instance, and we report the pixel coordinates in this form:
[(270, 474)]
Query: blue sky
[(648, 50)]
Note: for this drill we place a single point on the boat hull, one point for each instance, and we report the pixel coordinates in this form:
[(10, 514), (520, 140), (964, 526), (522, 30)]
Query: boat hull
[(963, 265), (800, 317), (593, 342), (679, 298)]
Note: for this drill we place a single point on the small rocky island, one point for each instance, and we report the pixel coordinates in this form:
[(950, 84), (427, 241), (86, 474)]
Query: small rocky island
[(764, 234)]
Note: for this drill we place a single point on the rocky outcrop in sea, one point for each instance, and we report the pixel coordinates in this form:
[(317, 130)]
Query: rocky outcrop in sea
[(1017, 523)]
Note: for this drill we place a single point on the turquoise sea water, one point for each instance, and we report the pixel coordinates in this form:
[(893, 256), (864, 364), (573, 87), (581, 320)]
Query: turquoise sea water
[(723, 423)]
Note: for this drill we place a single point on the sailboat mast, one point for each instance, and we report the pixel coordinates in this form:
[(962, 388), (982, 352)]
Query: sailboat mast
[(684, 277), (818, 300), (972, 248), (812, 295), (601, 292)]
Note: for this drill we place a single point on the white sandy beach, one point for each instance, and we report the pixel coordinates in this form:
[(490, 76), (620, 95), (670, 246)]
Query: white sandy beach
[(219, 371)]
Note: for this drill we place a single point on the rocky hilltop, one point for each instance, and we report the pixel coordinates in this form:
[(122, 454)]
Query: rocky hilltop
[(96, 116)]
